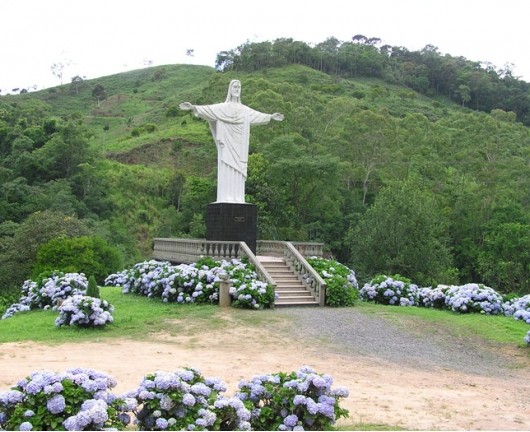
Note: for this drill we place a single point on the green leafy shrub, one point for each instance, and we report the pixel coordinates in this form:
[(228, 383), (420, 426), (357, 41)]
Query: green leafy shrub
[(150, 128), (88, 254), (7, 298), (93, 289), (340, 280)]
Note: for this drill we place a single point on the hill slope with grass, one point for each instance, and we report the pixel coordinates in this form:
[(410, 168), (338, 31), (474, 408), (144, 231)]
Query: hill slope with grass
[(118, 156)]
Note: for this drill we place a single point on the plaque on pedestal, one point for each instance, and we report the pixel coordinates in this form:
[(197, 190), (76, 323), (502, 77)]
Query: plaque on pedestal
[(232, 222)]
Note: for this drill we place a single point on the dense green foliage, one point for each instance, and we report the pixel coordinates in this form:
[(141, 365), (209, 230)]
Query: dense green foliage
[(404, 232), (90, 255), (475, 84), (92, 288), (341, 283), (393, 176)]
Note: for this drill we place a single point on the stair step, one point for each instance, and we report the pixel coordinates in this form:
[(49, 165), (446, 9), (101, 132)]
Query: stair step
[(288, 294), (290, 298), (295, 303), (291, 290), (282, 275)]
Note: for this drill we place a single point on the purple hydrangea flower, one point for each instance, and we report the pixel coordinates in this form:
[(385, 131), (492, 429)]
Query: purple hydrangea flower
[(291, 420), (161, 423), (188, 400), (26, 426), (56, 404)]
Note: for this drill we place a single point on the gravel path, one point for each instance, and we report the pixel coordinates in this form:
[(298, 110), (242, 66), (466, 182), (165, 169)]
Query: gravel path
[(350, 331)]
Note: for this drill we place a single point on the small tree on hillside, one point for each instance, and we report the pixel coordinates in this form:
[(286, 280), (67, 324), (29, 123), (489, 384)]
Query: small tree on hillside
[(99, 93)]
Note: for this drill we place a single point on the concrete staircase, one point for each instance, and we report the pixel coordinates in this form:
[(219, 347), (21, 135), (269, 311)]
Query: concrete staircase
[(290, 289)]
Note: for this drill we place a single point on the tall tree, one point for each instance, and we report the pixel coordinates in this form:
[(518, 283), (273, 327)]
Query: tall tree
[(403, 232)]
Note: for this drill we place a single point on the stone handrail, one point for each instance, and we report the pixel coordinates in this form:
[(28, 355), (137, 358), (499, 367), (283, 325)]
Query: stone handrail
[(263, 274), (276, 248), (308, 274), (190, 250)]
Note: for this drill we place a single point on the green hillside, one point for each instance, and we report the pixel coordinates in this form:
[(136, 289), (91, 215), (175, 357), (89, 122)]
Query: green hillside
[(393, 181)]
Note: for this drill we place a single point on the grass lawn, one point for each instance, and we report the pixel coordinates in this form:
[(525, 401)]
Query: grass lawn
[(136, 316)]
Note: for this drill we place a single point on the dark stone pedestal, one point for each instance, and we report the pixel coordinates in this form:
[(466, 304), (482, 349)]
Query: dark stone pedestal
[(232, 222)]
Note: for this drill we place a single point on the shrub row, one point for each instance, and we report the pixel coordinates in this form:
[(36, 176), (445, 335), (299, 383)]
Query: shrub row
[(81, 399), (195, 283), (468, 298), (65, 293)]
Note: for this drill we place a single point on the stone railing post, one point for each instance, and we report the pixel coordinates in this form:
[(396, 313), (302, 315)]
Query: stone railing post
[(224, 290)]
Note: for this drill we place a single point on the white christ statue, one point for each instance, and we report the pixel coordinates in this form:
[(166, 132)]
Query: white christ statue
[(230, 125)]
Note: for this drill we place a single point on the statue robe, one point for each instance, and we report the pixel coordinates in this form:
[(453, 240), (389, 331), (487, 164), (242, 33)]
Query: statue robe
[(230, 125)]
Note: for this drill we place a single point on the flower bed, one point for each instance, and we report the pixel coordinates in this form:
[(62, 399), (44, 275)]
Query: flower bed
[(395, 290), (340, 280), (50, 289), (79, 399), (84, 311), (466, 298), (195, 283), (473, 298), (432, 297), (518, 308), (300, 400), (185, 400)]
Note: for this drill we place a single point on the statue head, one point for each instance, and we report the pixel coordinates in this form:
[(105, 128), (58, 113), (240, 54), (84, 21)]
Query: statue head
[(234, 91)]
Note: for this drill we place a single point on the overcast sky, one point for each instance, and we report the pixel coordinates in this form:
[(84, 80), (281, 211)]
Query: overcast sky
[(103, 37)]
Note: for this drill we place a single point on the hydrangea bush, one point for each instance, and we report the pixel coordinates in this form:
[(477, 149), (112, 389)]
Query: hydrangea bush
[(81, 399), (340, 280), (432, 297), (84, 311), (396, 290), (518, 308), (466, 298), (247, 291), (185, 400), (473, 297), (300, 400), (50, 289), (78, 399), (195, 283)]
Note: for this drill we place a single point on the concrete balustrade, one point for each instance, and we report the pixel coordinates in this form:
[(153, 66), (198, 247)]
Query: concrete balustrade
[(177, 250)]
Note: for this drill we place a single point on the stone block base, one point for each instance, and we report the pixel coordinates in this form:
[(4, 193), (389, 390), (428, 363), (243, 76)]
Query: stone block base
[(232, 222)]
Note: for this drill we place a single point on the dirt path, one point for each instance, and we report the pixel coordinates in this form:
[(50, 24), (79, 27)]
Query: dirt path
[(380, 391)]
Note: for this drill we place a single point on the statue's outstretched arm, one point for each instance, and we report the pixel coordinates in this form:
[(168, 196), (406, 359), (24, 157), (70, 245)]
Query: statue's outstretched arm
[(186, 106)]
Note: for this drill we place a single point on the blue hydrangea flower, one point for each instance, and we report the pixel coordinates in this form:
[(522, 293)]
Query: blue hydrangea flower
[(291, 420), (26, 426), (56, 404)]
